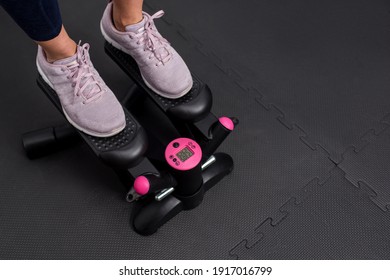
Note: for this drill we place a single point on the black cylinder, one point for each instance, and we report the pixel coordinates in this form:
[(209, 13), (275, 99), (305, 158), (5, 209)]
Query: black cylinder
[(218, 133), (189, 181), (48, 140)]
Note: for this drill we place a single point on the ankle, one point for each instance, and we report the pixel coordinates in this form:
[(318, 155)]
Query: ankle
[(62, 46), (120, 21), (60, 53), (120, 25)]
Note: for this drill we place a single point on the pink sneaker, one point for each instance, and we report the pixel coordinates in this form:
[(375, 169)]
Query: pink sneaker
[(162, 68), (87, 102)]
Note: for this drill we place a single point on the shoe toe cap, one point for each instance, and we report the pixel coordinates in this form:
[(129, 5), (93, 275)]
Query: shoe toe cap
[(172, 79)]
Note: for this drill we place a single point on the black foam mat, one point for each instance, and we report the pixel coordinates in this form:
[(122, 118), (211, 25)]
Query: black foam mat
[(368, 165), (306, 85), (327, 224)]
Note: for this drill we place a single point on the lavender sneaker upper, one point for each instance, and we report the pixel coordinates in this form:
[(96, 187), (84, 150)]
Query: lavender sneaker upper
[(86, 100), (162, 68)]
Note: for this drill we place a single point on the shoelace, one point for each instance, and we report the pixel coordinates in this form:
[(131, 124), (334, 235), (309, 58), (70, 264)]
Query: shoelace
[(82, 76), (153, 41)]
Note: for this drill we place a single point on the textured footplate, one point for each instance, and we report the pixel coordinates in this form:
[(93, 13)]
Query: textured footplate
[(191, 107), (122, 150)]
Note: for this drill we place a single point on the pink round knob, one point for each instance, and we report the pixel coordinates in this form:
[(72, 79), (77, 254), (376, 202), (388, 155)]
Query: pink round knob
[(141, 185), (227, 123)]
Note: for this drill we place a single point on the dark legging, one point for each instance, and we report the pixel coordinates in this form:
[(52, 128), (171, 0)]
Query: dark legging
[(40, 19)]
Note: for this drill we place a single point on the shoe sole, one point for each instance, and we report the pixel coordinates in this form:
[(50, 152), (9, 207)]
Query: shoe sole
[(92, 133), (119, 47)]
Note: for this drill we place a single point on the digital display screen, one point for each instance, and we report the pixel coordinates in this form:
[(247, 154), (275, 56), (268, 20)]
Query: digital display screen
[(184, 154)]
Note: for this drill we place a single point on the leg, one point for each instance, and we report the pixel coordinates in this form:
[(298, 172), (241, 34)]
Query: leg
[(126, 12), (41, 21), (62, 46), (87, 102)]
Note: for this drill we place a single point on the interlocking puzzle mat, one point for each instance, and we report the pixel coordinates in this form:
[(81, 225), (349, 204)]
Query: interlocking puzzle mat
[(309, 84)]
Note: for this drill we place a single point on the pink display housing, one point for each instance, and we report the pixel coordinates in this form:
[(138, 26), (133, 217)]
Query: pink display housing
[(183, 154)]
